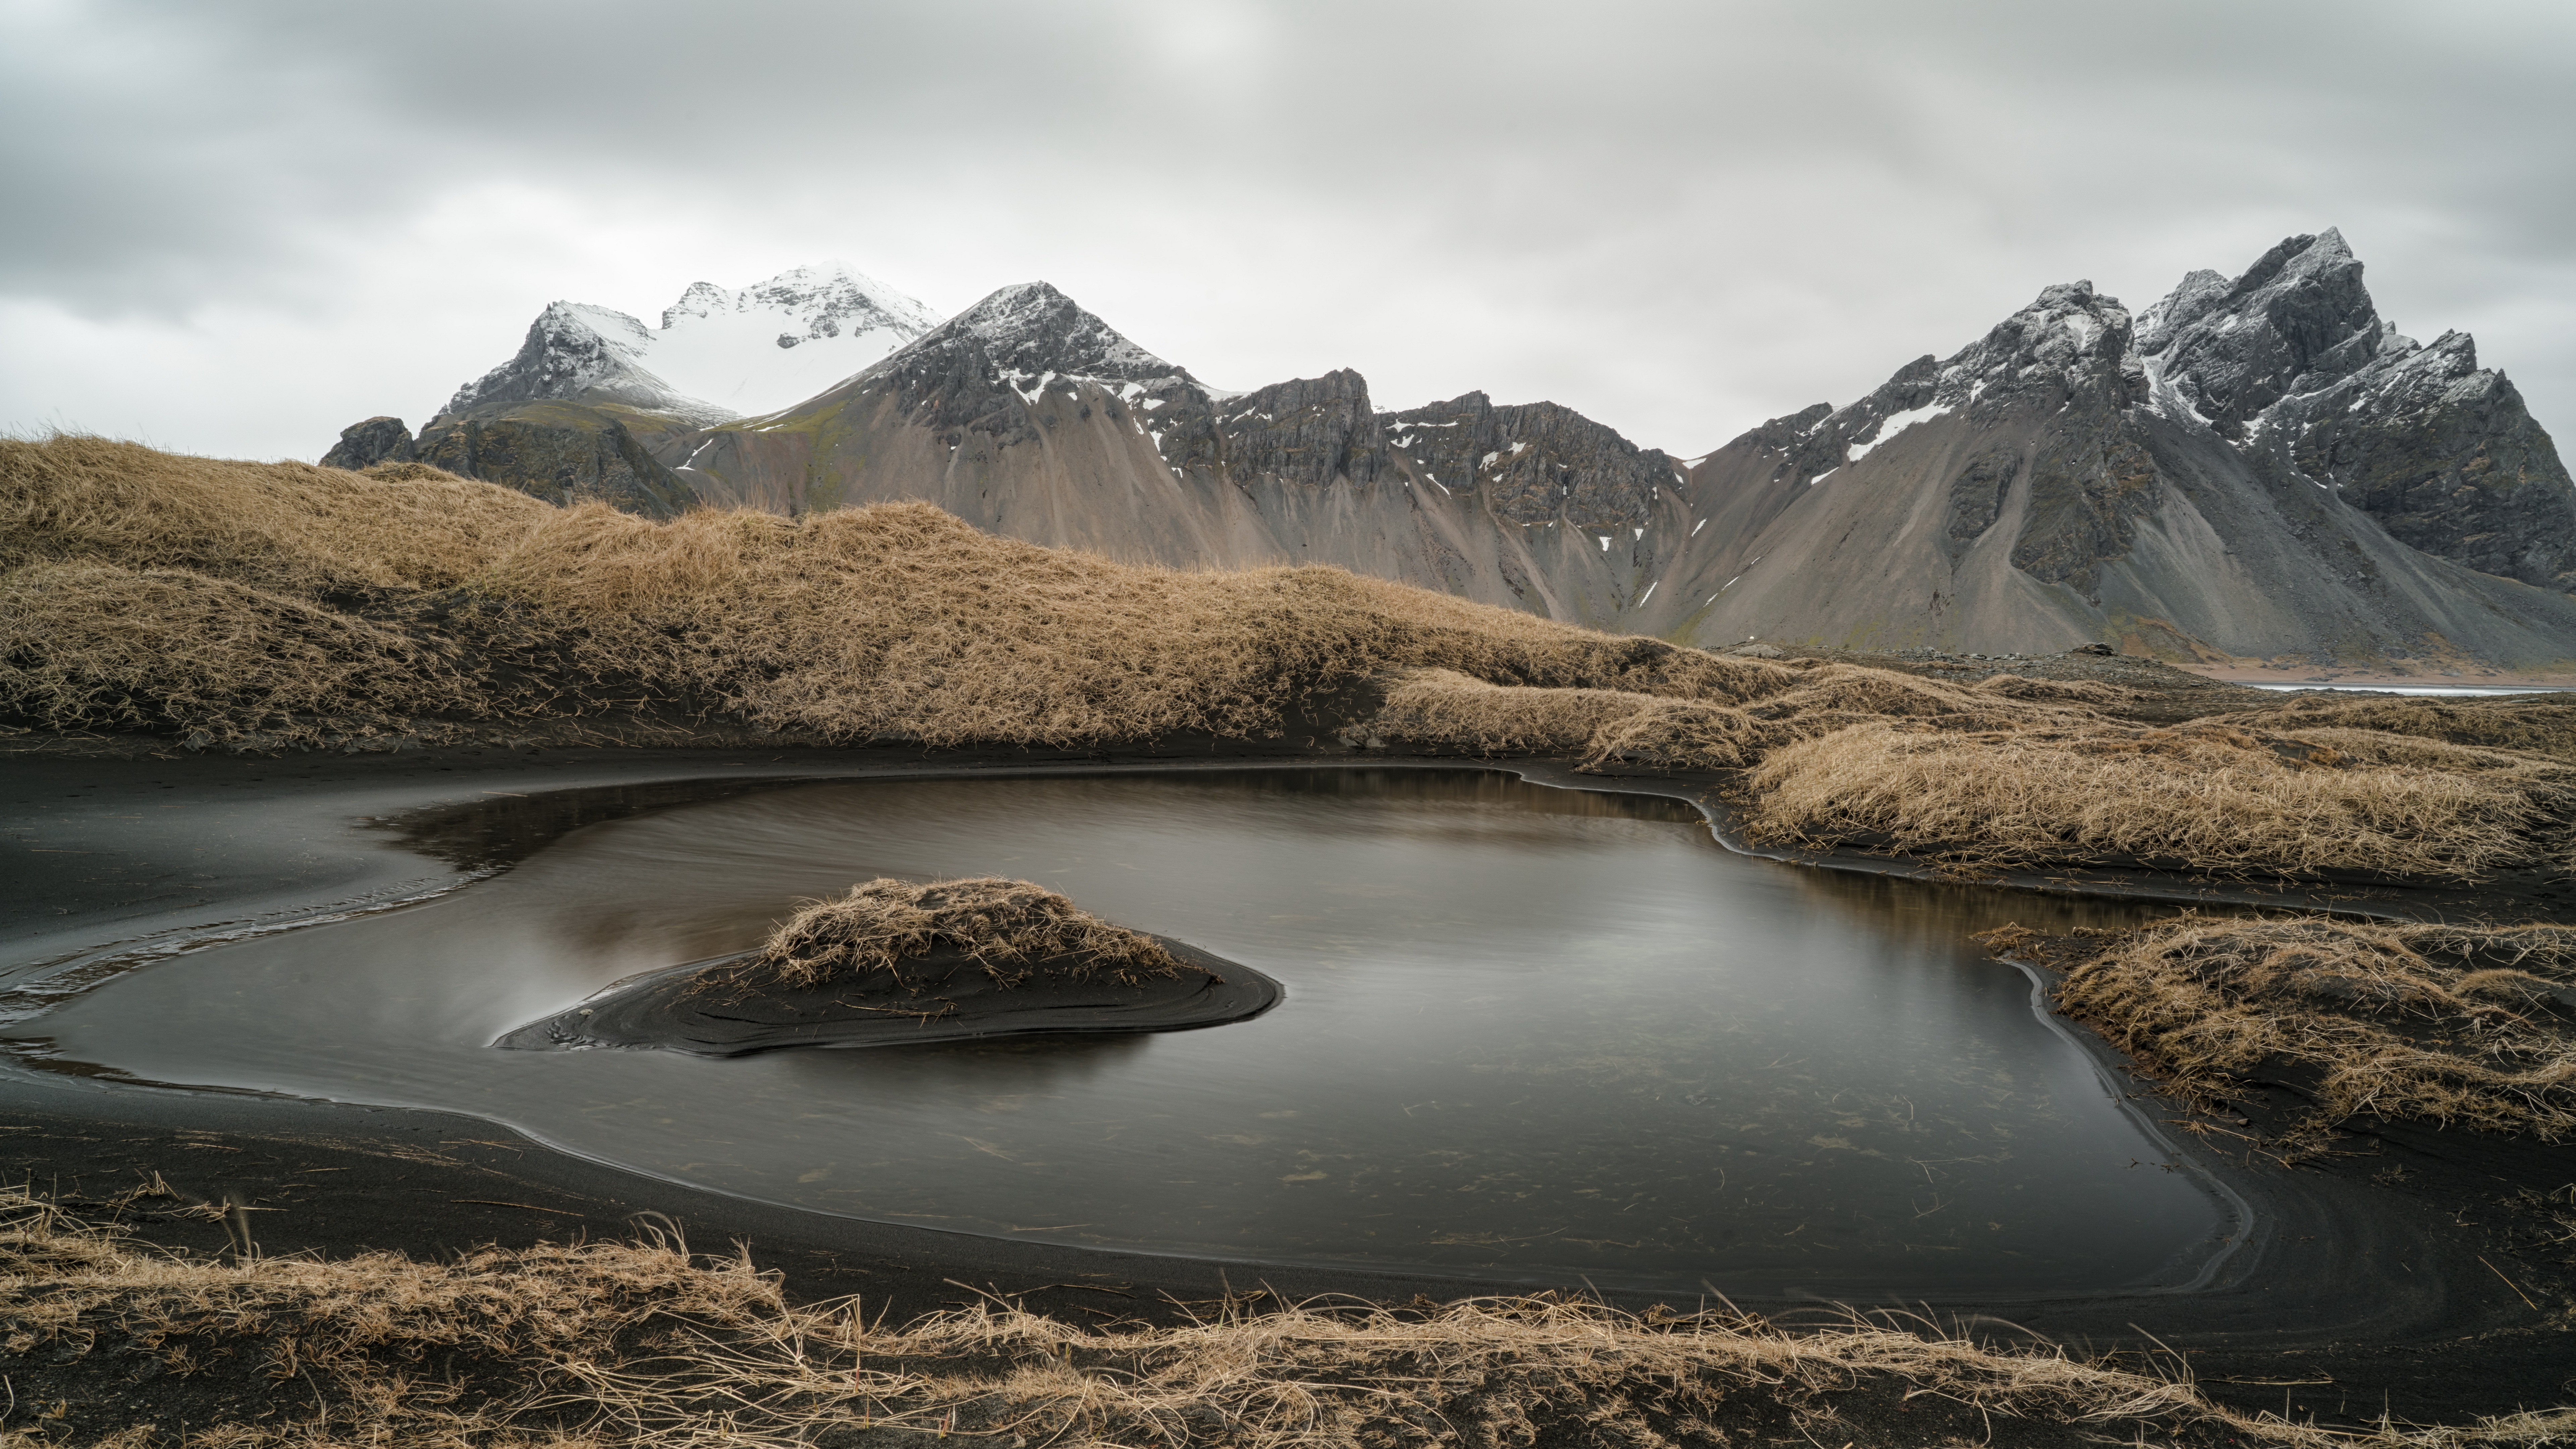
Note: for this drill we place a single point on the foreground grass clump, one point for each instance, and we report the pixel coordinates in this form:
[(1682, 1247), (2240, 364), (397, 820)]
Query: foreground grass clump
[(2203, 797), (641, 1343), (1008, 927), (2455, 1025)]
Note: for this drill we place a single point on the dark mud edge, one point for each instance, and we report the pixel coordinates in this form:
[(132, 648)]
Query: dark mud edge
[(2362, 1287)]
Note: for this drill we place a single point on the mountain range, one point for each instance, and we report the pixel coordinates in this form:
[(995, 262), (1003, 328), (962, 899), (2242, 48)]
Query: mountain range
[(2256, 469)]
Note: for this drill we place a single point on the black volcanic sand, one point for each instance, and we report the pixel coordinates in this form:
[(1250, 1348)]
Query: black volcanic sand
[(2405, 1272), (708, 1008)]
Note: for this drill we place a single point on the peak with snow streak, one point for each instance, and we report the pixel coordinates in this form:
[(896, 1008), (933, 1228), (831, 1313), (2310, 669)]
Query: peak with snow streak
[(575, 352), (1029, 332), (2293, 366)]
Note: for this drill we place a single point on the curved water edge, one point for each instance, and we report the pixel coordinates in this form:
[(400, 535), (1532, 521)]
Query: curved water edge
[(1615, 1108)]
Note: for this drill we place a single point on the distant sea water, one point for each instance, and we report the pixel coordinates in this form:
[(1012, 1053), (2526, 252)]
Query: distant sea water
[(2471, 689)]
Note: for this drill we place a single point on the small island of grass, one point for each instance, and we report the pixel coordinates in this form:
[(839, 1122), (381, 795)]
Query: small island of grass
[(895, 962)]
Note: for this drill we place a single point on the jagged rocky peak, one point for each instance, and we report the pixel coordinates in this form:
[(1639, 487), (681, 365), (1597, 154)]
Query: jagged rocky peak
[(2070, 344), (1535, 462), (1307, 430), (575, 352), (2298, 319), (1030, 331), (2293, 364), (807, 304)]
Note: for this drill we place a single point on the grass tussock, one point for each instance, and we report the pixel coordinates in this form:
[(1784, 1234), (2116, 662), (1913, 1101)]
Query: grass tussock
[(2204, 797), (283, 527), (2473, 1026), (2540, 724), (640, 1343), (1010, 928)]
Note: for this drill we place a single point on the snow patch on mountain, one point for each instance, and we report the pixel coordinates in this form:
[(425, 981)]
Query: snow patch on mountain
[(719, 353), (776, 343)]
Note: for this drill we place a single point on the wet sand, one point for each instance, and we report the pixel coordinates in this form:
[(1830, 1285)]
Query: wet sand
[(2417, 1285)]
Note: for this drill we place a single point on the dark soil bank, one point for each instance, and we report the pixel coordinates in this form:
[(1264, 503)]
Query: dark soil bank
[(2410, 1272), (939, 997)]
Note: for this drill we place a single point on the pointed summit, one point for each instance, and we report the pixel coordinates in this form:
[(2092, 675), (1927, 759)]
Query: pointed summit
[(2298, 319), (2292, 364), (1029, 330), (575, 352)]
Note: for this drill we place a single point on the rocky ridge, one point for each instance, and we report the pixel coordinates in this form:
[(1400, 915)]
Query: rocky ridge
[(2254, 469), (2292, 364)]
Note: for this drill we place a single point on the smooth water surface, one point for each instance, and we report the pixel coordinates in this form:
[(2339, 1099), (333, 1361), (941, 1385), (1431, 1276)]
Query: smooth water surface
[(1529, 1033)]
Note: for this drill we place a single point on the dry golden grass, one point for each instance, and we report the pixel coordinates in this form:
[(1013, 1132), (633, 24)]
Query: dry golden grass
[(1441, 707), (639, 1343), (282, 526), (2205, 797), (894, 622), (175, 650), (2543, 724), (2474, 1026), (1008, 927)]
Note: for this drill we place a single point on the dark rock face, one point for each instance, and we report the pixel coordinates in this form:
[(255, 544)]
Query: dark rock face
[(2291, 361), (1534, 462), (972, 378), (1309, 430), (364, 445), (561, 454)]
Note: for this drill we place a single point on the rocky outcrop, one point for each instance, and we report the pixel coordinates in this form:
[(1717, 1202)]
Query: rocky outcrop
[(1535, 463), (365, 444), (1308, 431), (562, 453), (2291, 360)]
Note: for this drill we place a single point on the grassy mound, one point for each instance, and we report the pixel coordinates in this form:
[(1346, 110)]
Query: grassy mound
[(111, 1342), (1010, 928), (2540, 724), (895, 622), (2205, 797), (2464, 1025)]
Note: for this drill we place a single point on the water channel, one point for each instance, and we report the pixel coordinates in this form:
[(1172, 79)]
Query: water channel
[(1530, 1033)]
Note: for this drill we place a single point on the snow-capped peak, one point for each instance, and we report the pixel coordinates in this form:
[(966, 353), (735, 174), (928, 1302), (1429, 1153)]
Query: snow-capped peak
[(575, 351), (1031, 328), (718, 354)]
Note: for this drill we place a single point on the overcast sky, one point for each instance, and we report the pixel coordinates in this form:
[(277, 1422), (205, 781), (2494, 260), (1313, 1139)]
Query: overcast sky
[(234, 228)]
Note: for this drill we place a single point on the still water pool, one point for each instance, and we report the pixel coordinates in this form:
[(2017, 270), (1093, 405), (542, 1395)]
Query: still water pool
[(1529, 1033)]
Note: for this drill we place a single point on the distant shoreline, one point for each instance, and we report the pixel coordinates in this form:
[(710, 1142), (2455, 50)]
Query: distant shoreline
[(2483, 681)]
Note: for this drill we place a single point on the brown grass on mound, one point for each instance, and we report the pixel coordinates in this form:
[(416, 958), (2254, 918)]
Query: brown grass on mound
[(2448, 1024), (895, 621), (631, 1344), (1601, 726), (2203, 796), (1443, 707), (2543, 724), (279, 526), (1008, 927), (171, 649)]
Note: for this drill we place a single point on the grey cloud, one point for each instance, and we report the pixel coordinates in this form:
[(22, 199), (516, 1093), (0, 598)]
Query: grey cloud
[(1679, 217)]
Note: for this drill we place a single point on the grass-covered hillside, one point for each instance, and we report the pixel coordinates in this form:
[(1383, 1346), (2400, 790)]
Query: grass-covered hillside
[(209, 604)]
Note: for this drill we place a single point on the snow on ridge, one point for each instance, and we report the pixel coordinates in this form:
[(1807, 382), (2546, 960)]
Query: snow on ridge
[(1890, 426)]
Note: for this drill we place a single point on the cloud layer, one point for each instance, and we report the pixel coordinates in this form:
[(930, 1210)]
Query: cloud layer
[(236, 228)]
